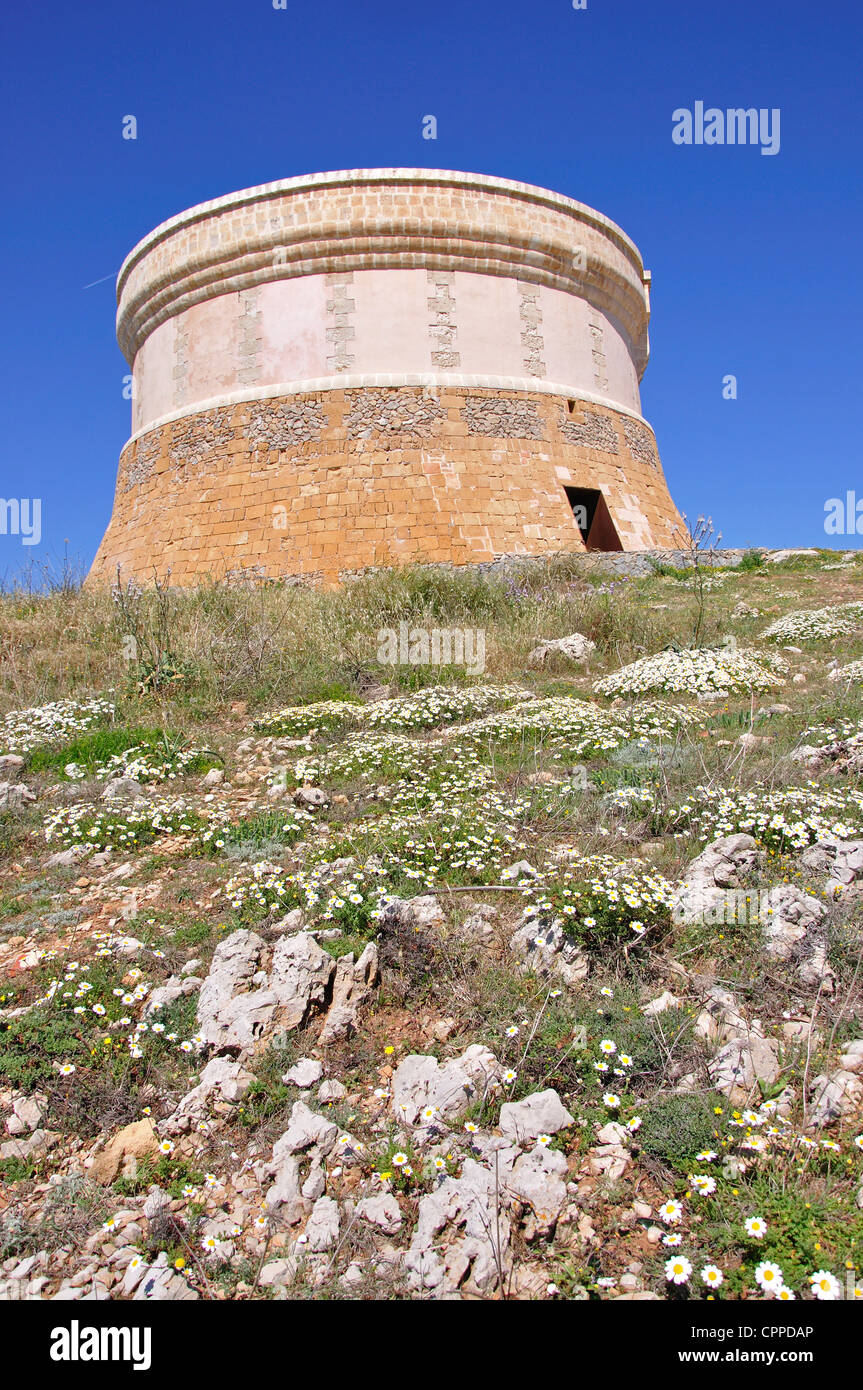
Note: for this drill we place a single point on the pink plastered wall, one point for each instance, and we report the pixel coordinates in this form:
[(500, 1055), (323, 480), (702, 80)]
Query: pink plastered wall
[(279, 335)]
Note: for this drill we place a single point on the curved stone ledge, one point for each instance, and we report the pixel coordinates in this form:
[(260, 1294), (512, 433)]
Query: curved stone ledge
[(382, 220)]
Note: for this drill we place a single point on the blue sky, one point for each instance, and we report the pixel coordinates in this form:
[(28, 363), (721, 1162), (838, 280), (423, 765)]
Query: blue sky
[(756, 259)]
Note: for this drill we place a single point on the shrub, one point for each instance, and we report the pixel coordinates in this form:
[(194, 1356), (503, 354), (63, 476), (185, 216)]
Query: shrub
[(675, 1127)]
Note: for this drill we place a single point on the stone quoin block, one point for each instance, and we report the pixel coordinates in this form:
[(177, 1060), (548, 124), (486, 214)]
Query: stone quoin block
[(377, 367)]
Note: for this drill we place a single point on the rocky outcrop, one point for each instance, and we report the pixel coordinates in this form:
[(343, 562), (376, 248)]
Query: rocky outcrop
[(248, 993), (421, 1082), (703, 892), (547, 951)]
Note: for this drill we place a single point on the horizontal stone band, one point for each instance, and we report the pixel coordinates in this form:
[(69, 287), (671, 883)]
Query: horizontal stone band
[(431, 380)]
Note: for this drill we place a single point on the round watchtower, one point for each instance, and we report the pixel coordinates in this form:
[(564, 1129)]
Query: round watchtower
[(382, 366)]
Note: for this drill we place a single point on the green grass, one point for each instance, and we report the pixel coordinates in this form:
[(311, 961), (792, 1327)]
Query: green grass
[(811, 1222), (90, 749), (32, 1044), (194, 934), (171, 1174), (95, 748)]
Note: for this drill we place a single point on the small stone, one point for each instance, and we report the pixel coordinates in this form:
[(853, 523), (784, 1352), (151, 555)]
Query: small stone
[(122, 789), (314, 797), (13, 797), (424, 911), (576, 647), (304, 1073), (518, 871), (330, 1091), (661, 1004), (383, 1211), (65, 858), (541, 1113), (322, 1227)]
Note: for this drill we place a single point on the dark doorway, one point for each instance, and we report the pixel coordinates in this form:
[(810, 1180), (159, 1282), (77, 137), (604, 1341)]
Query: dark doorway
[(591, 515)]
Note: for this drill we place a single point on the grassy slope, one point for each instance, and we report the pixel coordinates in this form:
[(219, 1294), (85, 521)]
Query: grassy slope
[(203, 664)]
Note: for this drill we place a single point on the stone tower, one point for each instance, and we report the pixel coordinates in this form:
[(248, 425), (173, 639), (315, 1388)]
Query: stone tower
[(382, 366)]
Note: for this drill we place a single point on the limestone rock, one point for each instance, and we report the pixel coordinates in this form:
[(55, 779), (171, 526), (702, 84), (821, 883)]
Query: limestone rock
[(311, 797), (467, 1209), (792, 926), (725, 862), (576, 647), (123, 789), (14, 797), (613, 1133), (548, 952), (137, 1140), (160, 1283), (173, 988), (382, 1211), (300, 974), (852, 1058), (221, 1079), (477, 926), (65, 858), (702, 894), (611, 1160), (26, 1114), (352, 986), (322, 1227), (278, 1272), (835, 1095), (38, 1143), (293, 921), (842, 860), (421, 1081), (661, 1004), (331, 1091), (423, 911), (775, 557), (308, 1135), (520, 870), (741, 1063), (787, 914), (542, 1113), (720, 1018), (306, 1130), (538, 1179), (230, 1012), (304, 1073)]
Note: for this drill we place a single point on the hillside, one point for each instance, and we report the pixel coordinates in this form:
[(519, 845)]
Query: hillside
[(525, 975)]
